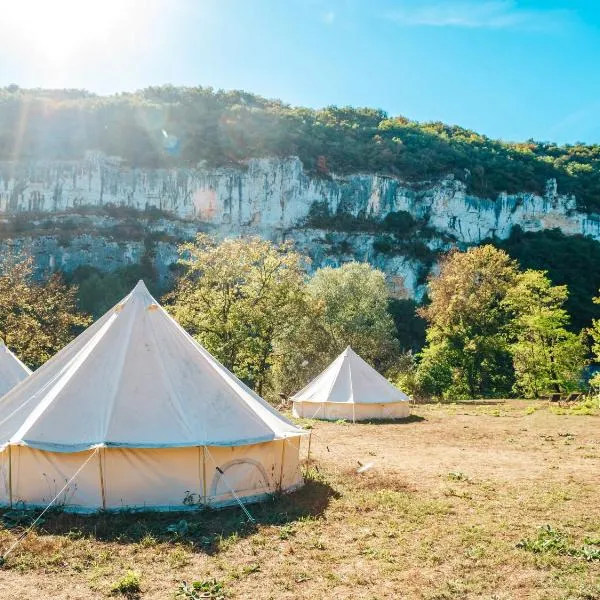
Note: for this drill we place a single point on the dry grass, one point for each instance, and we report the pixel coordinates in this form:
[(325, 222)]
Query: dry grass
[(438, 516)]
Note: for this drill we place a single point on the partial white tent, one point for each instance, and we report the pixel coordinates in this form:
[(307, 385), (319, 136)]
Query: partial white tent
[(351, 389), (12, 370), (169, 425)]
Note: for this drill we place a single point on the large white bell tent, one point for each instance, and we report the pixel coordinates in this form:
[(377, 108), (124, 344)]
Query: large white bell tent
[(134, 413), (12, 370), (351, 389)]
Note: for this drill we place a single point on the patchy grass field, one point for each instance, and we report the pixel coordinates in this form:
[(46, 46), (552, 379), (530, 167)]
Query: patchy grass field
[(462, 501)]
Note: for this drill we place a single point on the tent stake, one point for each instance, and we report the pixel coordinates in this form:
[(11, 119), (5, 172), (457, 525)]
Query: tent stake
[(10, 477), (100, 456), (308, 453)]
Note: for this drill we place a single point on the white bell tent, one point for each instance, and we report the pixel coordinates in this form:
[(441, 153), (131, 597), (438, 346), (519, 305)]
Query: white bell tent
[(12, 370), (351, 389), (148, 415)]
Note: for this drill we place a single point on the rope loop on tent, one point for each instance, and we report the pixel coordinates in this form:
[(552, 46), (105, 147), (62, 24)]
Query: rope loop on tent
[(237, 498), (26, 532)]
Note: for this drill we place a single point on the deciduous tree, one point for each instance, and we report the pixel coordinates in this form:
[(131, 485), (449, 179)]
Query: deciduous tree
[(346, 306), (37, 317), (467, 353), (237, 298), (546, 356)]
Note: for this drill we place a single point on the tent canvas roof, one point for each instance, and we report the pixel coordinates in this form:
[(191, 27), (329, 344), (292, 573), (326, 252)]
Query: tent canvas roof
[(12, 370), (349, 379), (135, 378)]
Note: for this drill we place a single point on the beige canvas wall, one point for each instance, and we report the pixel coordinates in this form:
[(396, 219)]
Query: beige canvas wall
[(165, 478), (348, 411)]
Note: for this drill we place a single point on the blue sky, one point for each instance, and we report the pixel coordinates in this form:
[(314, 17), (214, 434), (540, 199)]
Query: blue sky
[(512, 69)]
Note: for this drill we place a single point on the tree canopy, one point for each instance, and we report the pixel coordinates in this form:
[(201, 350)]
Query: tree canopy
[(37, 317), (173, 126), (495, 331), (237, 297), (466, 353), (345, 306), (252, 304), (546, 357), (570, 260)]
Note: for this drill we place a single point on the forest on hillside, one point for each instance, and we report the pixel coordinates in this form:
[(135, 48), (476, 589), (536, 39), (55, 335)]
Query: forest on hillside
[(174, 126)]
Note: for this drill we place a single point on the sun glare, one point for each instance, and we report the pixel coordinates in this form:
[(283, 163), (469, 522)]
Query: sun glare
[(57, 33)]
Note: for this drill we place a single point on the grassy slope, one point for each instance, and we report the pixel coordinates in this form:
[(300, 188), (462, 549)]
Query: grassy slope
[(438, 516)]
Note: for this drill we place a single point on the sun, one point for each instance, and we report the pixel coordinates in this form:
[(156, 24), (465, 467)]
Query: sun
[(57, 33)]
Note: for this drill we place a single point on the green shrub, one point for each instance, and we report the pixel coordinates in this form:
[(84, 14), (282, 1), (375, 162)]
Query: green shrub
[(552, 541), (128, 585), (547, 541), (588, 406), (209, 588)]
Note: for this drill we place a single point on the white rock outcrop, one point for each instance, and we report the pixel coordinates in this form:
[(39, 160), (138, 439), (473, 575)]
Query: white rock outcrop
[(273, 198), (276, 194)]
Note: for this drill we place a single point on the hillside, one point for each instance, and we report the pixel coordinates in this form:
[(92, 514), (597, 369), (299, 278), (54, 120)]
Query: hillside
[(104, 188), (169, 126)]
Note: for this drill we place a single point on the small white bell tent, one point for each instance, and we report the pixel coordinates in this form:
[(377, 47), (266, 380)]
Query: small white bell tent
[(12, 370), (351, 389), (145, 418)]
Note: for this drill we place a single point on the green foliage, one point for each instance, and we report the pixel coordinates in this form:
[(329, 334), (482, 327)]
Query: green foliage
[(238, 298), (399, 233), (320, 217), (210, 588), (399, 222), (586, 407), (570, 260), (37, 318), (20, 517), (547, 541), (494, 330), (219, 128), (128, 585), (345, 306), (98, 291), (402, 373), (546, 356), (467, 355), (355, 302), (594, 333), (552, 541)]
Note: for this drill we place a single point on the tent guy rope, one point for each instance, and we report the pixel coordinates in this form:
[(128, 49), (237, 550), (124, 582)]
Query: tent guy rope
[(26, 532)]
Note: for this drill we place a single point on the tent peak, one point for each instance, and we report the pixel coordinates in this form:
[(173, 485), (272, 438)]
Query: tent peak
[(141, 293), (140, 286)]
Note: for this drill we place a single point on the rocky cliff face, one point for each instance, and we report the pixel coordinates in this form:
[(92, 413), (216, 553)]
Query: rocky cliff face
[(272, 198)]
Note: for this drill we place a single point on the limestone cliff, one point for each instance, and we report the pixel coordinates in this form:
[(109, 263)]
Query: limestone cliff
[(270, 197)]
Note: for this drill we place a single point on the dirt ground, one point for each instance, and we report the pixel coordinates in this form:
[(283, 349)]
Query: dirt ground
[(448, 505)]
